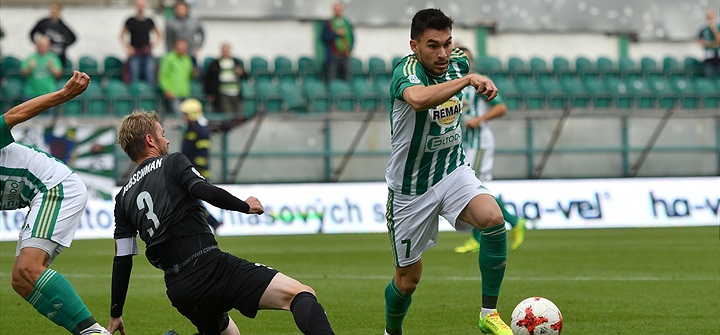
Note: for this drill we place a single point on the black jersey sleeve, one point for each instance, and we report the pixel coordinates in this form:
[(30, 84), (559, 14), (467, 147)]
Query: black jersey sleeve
[(184, 172), (219, 197), (122, 228)]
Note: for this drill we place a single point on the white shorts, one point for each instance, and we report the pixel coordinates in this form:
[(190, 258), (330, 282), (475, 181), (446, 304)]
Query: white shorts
[(54, 216), (481, 160), (412, 220)]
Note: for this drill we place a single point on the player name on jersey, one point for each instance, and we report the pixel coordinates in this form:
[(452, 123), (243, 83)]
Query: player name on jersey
[(141, 173)]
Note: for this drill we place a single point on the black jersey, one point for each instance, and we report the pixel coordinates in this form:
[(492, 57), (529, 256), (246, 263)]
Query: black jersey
[(157, 203)]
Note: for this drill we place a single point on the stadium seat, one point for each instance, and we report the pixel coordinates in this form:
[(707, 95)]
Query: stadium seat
[(283, 69), (11, 67), (145, 96), (395, 61), (260, 68), (67, 71), (249, 99), (539, 68), (269, 95), (366, 96), (585, 68), (709, 94), (688, 96), (627, 68), (377, 69), (119, 97), (317, 95), (382, 88), (516, 68), (293, 97), (513, 98), (606, 68), (644, 96), (95, 100), (649, 68), (693, 67), (576, 93), (308, 68), (665, 93), (357, 70), (671, 68), (599, 94), (561, 67), (553, 92), (342, 95), (112, 68), (89, 65), (621, 96), (532, 95), (491, 66)]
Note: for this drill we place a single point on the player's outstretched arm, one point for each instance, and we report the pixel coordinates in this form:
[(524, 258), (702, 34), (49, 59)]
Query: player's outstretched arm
[(31, 108), (221, 198), (421, 97)]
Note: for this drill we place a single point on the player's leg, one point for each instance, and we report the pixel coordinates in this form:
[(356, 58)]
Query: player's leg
[(287, 293), (54, 216), (412, 223)]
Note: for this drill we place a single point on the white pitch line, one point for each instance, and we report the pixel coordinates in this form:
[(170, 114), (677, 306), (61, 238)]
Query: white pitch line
[(443, 278)]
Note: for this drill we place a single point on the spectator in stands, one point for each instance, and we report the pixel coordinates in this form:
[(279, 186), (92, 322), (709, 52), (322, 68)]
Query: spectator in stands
[(61, 36), (709, 39), (183, 26), (175, 76), (41, 70), (338, 39), (139, 47), (222, 82)]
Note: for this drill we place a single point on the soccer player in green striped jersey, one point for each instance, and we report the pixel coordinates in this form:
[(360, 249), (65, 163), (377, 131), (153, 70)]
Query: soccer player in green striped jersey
[(57, 198), (427, 175), (479, 143)]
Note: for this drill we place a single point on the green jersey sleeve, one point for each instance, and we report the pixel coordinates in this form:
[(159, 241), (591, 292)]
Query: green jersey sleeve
[(407, 73), (5, 134)]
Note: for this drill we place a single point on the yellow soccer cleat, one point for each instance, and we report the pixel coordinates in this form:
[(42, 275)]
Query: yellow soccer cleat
[(493, 324), (518, 233), (470, 246)]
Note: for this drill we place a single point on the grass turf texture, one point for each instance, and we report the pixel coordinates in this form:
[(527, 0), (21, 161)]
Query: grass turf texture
[(605, 281)]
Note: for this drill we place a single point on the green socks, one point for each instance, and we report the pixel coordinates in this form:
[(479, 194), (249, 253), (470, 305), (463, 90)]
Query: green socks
[(492, 259), (396, 306), (55, 298), (511, 219)]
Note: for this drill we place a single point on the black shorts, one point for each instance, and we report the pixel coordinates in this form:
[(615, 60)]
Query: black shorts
[(214, 284)]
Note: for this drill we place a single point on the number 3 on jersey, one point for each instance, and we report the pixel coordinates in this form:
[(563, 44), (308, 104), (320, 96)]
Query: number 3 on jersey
[(144, 199)]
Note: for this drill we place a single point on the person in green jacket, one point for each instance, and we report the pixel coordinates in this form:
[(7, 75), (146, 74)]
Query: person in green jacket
[(175, 75)]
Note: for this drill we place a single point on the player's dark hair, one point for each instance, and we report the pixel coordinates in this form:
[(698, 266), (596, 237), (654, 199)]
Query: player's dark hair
[(430, 18)]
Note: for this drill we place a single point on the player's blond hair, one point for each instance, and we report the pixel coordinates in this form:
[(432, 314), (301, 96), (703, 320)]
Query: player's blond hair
[(132, 131)]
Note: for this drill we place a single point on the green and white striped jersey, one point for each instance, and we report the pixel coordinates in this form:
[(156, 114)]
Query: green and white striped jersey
[(473, 106), (426, 145), (25, 171)]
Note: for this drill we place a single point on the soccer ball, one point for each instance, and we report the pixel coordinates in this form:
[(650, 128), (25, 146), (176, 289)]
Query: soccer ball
[(536, 316)]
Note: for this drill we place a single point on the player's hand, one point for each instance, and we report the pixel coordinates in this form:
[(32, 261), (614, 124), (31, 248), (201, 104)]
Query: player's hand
[(483, 85), (255, 206), (474, 123), (115, 325), (77, 84)]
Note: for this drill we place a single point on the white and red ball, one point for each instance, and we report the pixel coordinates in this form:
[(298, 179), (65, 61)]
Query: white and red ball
[(536, 316)]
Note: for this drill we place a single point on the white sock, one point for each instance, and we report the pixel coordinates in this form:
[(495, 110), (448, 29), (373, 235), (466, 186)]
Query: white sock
[(486, 311)]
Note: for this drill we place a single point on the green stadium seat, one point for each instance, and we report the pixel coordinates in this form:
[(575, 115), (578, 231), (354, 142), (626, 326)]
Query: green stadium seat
[(555, 95), (395, 62), (671, 68), (516, 68), (89, 65), (382, 88), (343, 95), (146, 96), (627, 68), (491, 66), (269, 95), (293, 97), (533, 97), (283, 68), (249, 99), (584, 67), (95, 101), (561, 67), (308, 68), (644, 96), (649, 68), (539, 68), (665, 93), (366, 96), (513, 98), (688, 95), (577, 95), (260, 68), (11, 67), (709, 94), (67, 70), (693, 67), (599, 94), (317, 95), (119, 97), (606, 68), (112, 68), (357, 70), (377, 69), (618, 90)]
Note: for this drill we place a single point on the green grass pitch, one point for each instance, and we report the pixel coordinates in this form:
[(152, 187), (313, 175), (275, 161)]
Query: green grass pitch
[(605, 281)]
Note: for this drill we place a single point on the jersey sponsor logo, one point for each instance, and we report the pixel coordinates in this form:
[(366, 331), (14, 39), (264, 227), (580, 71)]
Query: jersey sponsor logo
[(413, 79), (137, 176), (447, 140), (447, 114)]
